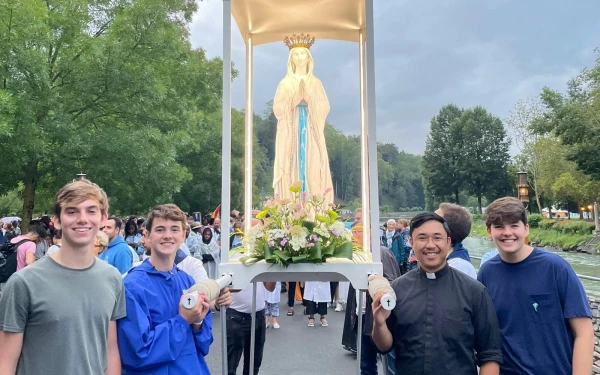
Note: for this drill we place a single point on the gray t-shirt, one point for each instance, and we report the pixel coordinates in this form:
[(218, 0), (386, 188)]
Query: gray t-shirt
[(64, 315)]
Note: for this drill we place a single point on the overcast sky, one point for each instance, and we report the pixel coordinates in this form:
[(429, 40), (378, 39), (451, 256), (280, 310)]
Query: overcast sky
[(429, 54)]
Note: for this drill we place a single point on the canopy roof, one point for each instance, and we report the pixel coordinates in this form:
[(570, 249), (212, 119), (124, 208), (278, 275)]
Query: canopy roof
[(272, 20)]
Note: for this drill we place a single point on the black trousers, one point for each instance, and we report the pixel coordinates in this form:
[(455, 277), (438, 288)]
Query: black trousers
[(292, 293), (239, 328), (313, 308), (332, 287)]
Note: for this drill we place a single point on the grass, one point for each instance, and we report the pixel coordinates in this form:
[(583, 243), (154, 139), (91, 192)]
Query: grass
[(478, 229), (554, 238), (545, 237)]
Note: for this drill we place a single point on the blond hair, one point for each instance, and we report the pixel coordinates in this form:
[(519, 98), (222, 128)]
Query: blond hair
[(79, 191), (167, 211), (102, 239)]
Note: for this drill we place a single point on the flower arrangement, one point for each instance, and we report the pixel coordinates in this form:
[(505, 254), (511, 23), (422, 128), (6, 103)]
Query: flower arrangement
[(299, 230)]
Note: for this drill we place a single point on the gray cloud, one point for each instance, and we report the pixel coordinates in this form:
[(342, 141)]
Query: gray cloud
[(429, 54)]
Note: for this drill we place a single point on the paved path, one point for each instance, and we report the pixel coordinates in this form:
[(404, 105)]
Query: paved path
[(296, 349)]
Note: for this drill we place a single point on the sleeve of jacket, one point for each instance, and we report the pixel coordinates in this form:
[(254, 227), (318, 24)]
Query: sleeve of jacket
[(123, 260), (391, 271), (142, 346), (204, 337)]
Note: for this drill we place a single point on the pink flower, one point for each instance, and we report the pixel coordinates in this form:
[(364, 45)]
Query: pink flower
[(283, 242), (310, 245), (315, 238), (304, 196), (328, 190), (271, 243)]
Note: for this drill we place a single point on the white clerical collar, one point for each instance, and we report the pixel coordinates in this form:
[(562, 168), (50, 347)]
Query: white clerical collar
[(430, 276)]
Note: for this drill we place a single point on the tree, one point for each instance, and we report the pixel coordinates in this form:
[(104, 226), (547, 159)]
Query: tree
[(574, 117), (113, 89), (521, 122), (443, 154), (485, 152)]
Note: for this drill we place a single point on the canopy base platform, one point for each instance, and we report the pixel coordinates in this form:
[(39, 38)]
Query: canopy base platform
[(357, 273)]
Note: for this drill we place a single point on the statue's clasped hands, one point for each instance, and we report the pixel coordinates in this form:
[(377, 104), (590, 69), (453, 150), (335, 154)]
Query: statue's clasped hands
[(301, 94)]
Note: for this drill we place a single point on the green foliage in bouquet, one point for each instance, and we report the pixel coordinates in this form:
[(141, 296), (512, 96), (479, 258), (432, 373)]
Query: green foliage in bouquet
[(301, 230)]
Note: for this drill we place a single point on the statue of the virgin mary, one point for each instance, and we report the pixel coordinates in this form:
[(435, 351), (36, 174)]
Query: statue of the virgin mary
[(301, 107)]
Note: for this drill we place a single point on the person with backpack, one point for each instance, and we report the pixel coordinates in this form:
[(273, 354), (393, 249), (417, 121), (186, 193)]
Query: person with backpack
[(19, 252)]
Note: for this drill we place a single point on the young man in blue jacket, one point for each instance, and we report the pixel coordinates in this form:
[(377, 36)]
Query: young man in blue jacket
[(159, 335)]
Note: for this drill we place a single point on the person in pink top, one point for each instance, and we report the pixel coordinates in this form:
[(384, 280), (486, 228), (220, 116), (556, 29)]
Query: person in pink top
[(26, 251)]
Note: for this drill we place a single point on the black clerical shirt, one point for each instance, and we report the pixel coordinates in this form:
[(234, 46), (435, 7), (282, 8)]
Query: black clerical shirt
[(443, 323)]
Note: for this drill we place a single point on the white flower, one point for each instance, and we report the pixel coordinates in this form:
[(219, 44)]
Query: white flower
[(276, 234), (299, 241), (337, 228), (322, 232)]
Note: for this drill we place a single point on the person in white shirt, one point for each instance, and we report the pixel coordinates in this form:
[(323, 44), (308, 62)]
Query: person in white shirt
[(459, 221), (239, 320)]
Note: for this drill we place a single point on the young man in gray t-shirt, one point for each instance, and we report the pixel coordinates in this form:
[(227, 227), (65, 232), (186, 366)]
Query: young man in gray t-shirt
[(58, 316)]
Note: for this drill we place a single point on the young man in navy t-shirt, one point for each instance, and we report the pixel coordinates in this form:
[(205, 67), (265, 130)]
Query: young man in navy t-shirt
[(543, 312)]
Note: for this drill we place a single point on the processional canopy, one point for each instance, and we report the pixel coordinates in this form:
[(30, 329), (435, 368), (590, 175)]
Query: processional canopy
[(271, 21)]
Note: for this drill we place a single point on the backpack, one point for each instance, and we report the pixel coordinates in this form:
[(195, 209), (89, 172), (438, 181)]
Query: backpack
[(8, 259)]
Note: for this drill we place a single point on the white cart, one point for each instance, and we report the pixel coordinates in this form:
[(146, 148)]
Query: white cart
[(269, 21)]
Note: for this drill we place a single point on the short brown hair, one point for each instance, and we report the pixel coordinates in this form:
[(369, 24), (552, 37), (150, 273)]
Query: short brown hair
[(459, 221), (167, 211), (79, 191), (507, 210), (403, 222)]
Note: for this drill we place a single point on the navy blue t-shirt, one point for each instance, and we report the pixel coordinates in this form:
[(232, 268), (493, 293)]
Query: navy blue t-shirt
[(533, 300)]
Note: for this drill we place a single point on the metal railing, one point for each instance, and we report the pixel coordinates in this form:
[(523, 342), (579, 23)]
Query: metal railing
[(585, 277)]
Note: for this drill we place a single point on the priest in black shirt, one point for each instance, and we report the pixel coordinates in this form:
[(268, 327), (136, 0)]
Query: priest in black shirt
[(444, 321)]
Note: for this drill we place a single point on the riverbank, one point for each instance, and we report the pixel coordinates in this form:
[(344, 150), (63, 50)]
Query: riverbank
[(563, 235)]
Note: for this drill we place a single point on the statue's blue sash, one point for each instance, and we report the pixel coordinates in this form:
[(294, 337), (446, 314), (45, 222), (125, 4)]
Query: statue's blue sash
[(302, 129)]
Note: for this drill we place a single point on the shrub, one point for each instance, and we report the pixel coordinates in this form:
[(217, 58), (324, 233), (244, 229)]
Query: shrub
[(574, 227), (534, 220), (546, 224), (477, 217)]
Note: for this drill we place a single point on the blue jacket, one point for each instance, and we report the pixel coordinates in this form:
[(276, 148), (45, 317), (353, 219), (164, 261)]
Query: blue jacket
[(399, 249), (153, 338), (118, 255), (460, 251)]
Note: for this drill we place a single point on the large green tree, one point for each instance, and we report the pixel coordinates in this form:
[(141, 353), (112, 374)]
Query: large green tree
[(485, 154), (112, 89), (443, 154)]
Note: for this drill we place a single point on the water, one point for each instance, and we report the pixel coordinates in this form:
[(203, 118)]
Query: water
[(583, 264)]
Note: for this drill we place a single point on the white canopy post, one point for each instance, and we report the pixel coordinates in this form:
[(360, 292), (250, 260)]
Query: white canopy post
[(373, 170), (249, 135), (225, 163), (226, 146), (364, 144)]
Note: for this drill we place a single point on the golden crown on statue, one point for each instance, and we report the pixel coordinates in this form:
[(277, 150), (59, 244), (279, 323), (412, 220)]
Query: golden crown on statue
[(301, 40)]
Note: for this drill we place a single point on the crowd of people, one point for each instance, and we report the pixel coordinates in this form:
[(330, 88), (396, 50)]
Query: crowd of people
[(105, 295)]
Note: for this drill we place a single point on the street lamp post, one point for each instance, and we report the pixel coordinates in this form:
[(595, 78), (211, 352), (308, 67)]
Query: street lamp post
[(523, 193), (522, 188)]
